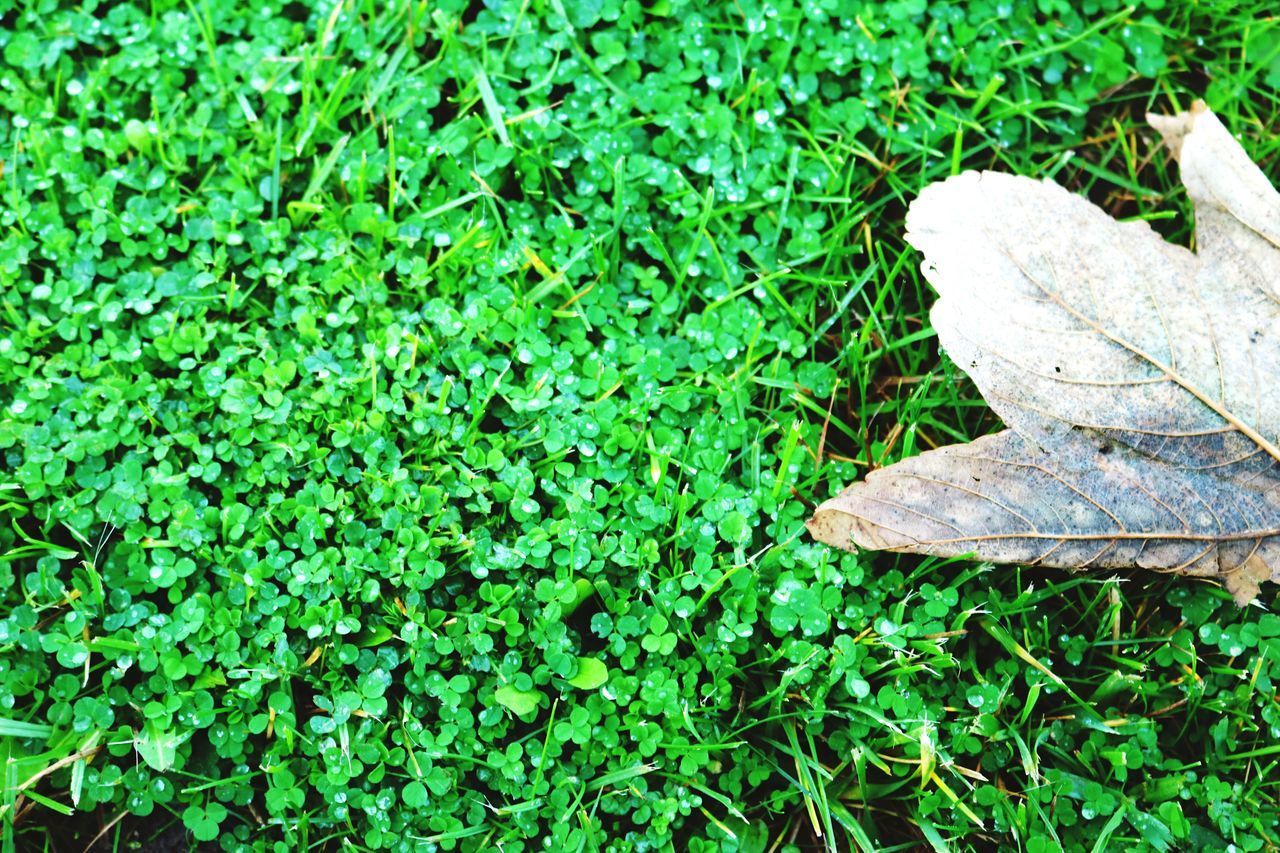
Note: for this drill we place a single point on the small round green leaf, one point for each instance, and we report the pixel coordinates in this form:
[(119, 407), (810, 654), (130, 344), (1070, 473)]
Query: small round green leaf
[(519, 702), (591, 674)]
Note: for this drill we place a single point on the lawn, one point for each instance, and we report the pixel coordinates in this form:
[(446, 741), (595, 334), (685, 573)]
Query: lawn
[(409, 413)]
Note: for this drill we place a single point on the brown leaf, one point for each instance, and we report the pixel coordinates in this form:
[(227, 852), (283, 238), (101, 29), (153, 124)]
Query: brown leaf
[(1137, 379)]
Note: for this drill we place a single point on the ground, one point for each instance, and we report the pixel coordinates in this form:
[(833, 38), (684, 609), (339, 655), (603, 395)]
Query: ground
[(409, 413)]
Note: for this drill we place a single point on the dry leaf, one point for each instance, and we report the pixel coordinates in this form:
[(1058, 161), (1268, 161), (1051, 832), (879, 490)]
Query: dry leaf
[(1137, 378)]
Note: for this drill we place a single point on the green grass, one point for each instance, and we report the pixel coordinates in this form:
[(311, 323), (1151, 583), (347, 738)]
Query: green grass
[(409, 413)]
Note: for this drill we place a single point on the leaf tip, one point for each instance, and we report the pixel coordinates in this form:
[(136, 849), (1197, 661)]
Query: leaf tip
[(1244, 581), (831, 528), (1173, 129), (849, 523)]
